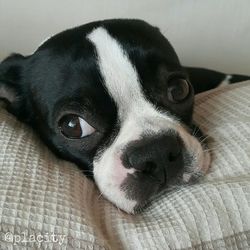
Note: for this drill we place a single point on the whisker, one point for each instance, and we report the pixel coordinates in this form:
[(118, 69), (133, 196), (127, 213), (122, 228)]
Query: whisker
[(201, 124), (119, 210), (205, 138), (196, 130), (210, 149), (100, 195)]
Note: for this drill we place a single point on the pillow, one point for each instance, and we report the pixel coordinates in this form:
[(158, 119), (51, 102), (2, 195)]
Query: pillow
[(48, 203)]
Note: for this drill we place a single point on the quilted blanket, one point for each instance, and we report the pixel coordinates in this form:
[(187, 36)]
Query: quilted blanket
[(47, 203)]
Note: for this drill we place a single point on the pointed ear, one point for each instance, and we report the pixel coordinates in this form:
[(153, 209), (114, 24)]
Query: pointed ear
[(11, 71)]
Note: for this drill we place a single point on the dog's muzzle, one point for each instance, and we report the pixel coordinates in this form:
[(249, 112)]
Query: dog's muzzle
[(130, 174)]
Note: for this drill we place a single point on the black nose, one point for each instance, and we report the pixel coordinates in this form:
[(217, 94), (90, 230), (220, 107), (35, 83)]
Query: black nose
[(160, 157)]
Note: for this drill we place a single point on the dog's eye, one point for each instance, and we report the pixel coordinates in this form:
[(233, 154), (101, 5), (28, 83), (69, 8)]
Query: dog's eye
[(74, 127), (178, 90)]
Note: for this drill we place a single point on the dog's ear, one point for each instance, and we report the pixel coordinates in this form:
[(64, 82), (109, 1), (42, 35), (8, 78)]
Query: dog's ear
[(11, 74), (12, 85), (11, 71)]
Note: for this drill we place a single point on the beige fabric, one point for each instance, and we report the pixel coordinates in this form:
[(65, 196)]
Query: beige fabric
[(40, 194)]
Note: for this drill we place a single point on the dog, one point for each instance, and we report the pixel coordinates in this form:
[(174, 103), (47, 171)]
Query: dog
[(112, 97)]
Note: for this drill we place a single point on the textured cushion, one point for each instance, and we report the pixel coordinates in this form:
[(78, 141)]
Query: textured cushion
[(41, 195)]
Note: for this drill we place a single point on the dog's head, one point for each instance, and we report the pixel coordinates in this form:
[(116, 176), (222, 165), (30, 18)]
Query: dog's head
[(112, 97)]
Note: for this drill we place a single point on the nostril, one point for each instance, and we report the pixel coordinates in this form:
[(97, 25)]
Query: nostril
[(173, 156), (149, 167)]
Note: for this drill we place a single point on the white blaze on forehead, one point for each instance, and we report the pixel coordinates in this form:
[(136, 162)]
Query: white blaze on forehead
[(120, 76), (136, 114)]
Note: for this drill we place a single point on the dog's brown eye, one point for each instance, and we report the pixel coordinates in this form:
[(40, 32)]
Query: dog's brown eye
[(178, 90), (74, 127)]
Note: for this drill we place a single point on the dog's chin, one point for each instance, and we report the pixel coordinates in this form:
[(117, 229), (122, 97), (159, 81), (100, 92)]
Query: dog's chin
[(128, 191)]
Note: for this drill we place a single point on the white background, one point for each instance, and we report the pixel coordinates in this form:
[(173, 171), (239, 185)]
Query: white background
[(209, 33)]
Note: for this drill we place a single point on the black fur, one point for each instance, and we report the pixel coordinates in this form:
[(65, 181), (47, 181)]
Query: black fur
[(205, 79), (62, 76)]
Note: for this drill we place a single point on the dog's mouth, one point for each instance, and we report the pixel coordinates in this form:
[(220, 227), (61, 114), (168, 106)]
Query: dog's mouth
[(131, 176)]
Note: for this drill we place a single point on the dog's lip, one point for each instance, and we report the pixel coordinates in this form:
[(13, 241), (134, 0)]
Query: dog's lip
[(139, 208), (192, 178), (154, 180)]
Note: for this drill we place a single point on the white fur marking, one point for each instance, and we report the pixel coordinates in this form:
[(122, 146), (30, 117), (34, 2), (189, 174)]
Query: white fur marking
[(136, 114), (120, 77), (225, 81)]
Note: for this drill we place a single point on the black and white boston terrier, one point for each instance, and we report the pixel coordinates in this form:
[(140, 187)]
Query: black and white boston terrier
[(112, 97)]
